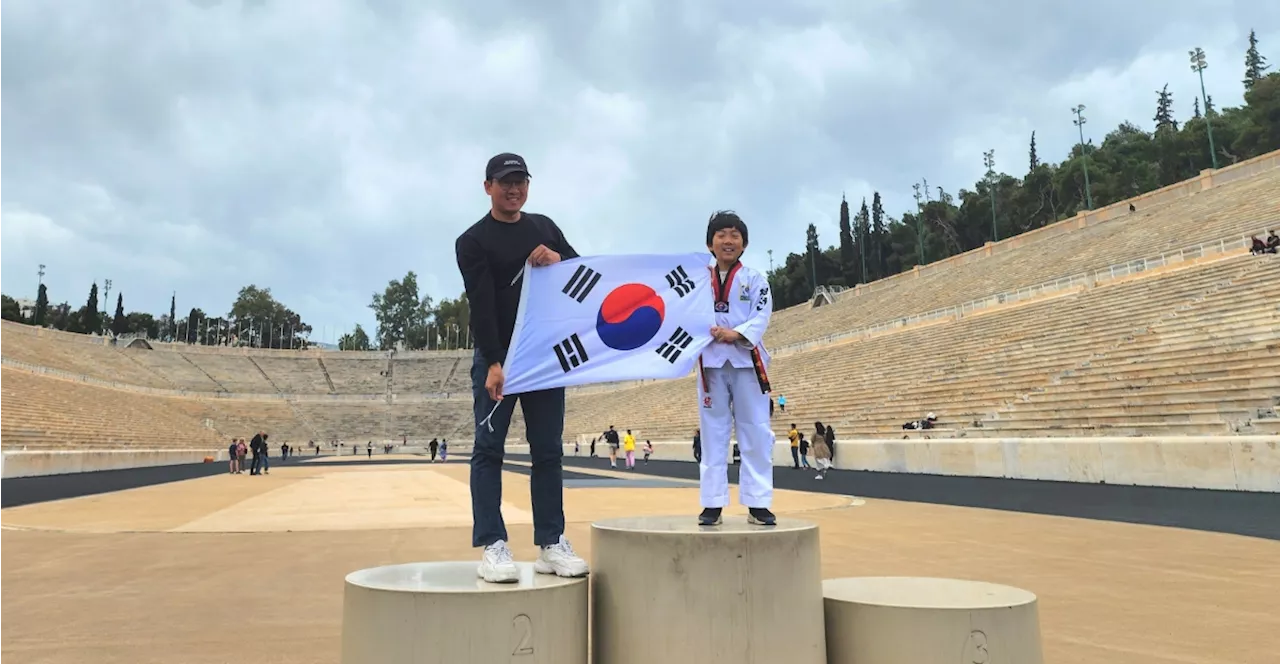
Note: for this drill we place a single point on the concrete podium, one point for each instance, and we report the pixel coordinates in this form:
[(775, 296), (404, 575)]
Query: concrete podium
[(441, 613), (918, 620), (667, 591)]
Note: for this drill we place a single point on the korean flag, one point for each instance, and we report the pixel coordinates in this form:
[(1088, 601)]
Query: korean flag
[(602, 319)]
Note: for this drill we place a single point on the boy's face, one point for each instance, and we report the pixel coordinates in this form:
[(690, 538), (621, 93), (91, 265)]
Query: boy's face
[(726, 245)]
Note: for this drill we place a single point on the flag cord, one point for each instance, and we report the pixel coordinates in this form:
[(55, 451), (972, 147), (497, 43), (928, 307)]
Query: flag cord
[(486, 421)]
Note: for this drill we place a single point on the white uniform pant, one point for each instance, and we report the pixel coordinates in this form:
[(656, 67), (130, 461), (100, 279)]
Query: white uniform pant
[(749, 416)]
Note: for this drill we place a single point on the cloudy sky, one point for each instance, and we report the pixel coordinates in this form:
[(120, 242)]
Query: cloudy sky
[(324, 147)]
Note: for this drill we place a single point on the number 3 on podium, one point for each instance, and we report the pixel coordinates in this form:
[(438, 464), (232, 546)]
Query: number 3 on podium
[(523, 629)]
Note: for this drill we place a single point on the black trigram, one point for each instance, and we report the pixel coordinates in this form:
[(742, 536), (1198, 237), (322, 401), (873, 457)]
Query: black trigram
[(571, 353), (580, 284), (671, 348), (679, 281)]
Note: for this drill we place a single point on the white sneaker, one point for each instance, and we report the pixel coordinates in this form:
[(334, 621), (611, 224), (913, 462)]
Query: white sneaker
[(497, 565), (559, 559)]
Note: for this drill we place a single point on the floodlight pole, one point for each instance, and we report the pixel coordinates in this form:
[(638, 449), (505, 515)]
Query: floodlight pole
[(1079, 123), (1198, 66)]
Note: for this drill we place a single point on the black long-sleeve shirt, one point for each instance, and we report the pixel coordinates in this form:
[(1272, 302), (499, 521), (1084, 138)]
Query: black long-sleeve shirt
[(490, 254)]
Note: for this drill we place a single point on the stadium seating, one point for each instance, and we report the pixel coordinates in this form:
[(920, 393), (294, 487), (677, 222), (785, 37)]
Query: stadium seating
[(1226, 212), (1188, 348), (42, 412), (1030, 369)]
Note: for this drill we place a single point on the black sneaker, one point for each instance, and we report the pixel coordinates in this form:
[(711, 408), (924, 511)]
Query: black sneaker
[(710, 517), (761, 516)]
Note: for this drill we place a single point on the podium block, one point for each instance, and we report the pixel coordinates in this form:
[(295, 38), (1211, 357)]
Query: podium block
[(667, 591), (441, 613), (916, 620)]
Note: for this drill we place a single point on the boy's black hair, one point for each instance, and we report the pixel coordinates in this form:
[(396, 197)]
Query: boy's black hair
[(723, 219)]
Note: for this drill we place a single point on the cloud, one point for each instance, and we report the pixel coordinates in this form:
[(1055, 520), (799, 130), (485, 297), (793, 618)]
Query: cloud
[(324, 147)]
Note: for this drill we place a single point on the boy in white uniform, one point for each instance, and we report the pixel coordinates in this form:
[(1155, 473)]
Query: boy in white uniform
[(733, 386)]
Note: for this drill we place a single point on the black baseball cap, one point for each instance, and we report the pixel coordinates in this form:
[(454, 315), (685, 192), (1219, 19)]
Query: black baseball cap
[(505, 164)]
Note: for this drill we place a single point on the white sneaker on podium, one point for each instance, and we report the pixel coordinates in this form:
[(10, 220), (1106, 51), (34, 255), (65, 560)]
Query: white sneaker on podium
[(497, 565), (559, 559)]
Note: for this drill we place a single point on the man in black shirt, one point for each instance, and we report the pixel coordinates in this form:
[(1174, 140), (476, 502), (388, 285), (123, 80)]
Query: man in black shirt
[(491, 256)]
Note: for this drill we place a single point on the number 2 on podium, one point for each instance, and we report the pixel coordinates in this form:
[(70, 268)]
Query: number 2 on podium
[(524, 631)]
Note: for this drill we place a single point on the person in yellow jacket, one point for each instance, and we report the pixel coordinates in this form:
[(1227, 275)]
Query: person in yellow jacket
[(629, 446)]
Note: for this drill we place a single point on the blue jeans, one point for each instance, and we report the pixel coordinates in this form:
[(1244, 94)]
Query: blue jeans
[(544, 430)]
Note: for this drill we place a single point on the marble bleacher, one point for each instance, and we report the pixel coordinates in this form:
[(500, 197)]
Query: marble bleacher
[(43, 412), (1190, 348), (1225, 212), (1126, 358)]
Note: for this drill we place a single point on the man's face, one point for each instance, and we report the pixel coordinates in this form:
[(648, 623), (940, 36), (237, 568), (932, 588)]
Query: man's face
[(509, 192), (726, 245)]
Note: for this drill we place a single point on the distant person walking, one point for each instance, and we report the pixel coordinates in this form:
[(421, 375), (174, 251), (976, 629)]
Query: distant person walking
[(821, 450), (794, 435), (629, 446)]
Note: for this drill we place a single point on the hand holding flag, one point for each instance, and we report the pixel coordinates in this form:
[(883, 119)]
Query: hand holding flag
[(603, 319)]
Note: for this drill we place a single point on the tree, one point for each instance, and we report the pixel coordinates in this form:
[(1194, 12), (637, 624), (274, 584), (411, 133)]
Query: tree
[(357, 339), (258, 319), (1259, 123), (1130, 161), (847, 257), (61, 318), (1164, 110), (42, 306), (172, 328), (1195, 108), (88, 320), (193, 326), (143, 324), (877, 237), (1254, 63), (118, 323), (402, 314), (448, 316), (863, 229), (812, 249), (10, 310)]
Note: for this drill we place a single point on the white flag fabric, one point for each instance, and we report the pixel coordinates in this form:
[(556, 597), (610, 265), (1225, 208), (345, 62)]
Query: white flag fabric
[(601, 319)]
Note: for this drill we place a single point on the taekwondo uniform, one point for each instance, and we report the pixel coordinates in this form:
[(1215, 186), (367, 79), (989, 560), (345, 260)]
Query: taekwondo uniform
[(733, 392)]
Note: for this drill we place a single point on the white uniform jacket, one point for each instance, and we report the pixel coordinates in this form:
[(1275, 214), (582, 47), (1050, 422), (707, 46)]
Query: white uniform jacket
[(742, 302)]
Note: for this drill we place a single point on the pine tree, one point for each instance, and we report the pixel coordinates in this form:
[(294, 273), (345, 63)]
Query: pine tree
[(42, 306), (117, 321), (1208, 105), (863, 227), (878, 235), (193, 327), (1195, 113), (847, 267), (1164, 110), (173, 317), (1254, 64), (812, 250), (90, 319), (1035, 159)]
